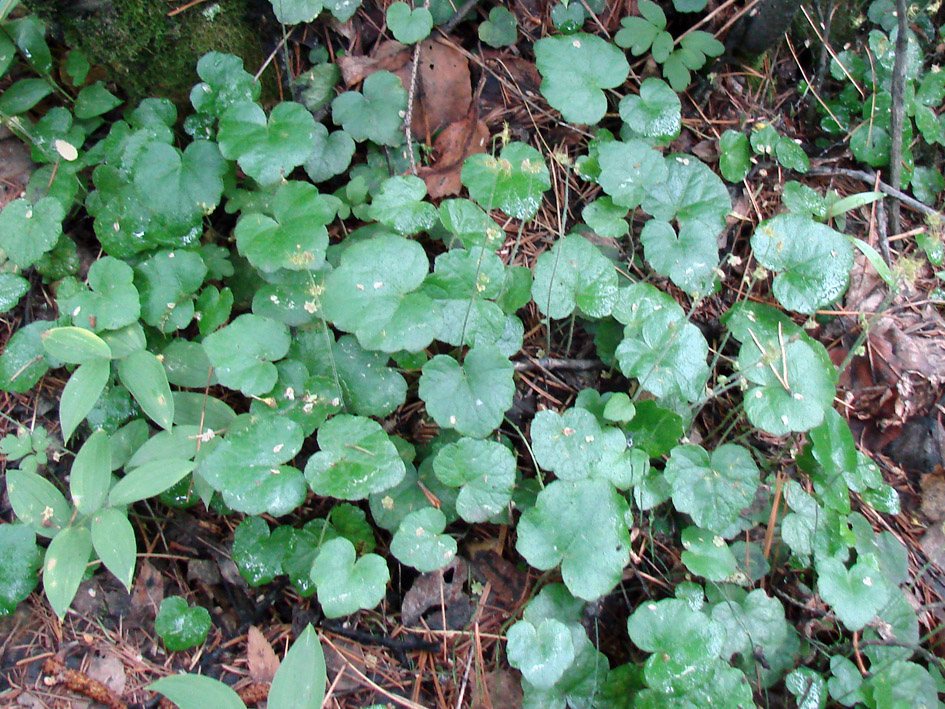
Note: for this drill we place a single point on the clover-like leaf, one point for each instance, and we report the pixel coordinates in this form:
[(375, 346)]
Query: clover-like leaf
[(112, 302), (225, 82), (575, 69), (664, 351), (471, 398), (345, 585), (400, 205), (267, 150), (409, 25), (856, 594), (581, 525), (814, 261), (574, 274), (483, 470), (655, 112), (20, 559), (628, 170), (27, 231), (513, 182), (689, 258), (371, 294), (243, 352), (331, 154), (419, 541), (541, 653), (375, 114), (167, 282), (181, 626), (296, 238), (712, 489), (356, 458), (500, 29), (293, 12), (180, 188)]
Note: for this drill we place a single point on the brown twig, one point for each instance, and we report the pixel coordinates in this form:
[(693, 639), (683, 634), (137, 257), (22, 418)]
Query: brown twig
[(580, 365), (870, 178)]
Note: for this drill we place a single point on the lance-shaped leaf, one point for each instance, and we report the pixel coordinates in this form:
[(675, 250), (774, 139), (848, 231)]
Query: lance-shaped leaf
[(114, 541), (20, 559), (144, 377), (64, 566), (91, 473)]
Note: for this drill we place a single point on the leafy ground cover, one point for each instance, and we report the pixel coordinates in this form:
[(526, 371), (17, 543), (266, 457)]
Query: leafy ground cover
[(517, 356)]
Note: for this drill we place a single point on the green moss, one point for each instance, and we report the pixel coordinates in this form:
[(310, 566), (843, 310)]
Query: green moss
[(148, 53)]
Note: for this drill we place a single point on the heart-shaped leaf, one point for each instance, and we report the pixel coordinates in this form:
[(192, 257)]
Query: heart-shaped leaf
[(856, 594), (500, 29), (419, 541), (541, 653), (12, 288), (409, 25), (690, 259), (356, 458), (269, 150), (242, 353), (400, 205), (181, 626), (371, 294), (23, 361), (345, 585), (756, 622), (582, 526), (20, 559), (654, 113), (112, 303), (513, 182), (225, 82), (167, 282), (471, 398), (485, 473), (575, 70), (27, 231), (707, 555), (814, 261), (570, 444), (259, 554), (712, 489), (377, 114), (180, 188), (331, 154), (628, 170), (574, 274), (691, 194), (469, 224), (295, 238)]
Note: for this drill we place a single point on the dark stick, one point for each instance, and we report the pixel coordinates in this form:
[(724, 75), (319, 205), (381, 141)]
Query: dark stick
[(870, 178)]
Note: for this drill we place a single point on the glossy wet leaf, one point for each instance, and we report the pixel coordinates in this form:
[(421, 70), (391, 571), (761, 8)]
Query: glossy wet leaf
[(469, 224), (371, 294), (574, 273), (628, 170), (400, 205), (691, 194), (12, 288), (575, 69), (20, 559), (583, 527), (267, 149), (225, 82), (813, 261), (419, 541), (27, 231), (654, 113), (570, 444), (540, 652), (112, 301), (471, 397), (606, 218), (856, 594), (376, 113), (300, 680), (514, 182), (706, 554), (242, 353), (23, 361), (345, 585), (485, 473), (294, 238), (690, 258), (181, 626), (64, 566), (257, 553), (167, 283), (113, 539), (356, 458), (370, 387), (712, 488), (735, 156), (293, 12)]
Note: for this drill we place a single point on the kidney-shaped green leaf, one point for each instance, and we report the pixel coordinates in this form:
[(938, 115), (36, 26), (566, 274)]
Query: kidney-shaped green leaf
[(483, 470), (419, 541), (513, 182), (345, 585), (574, 274), (243, 352)]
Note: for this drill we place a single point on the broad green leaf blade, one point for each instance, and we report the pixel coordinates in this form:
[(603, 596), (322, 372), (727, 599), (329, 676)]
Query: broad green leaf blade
[(181, 626), (27, 231), (37, 502), (377, 113), (257, 552), (12, 288), (690, 258), (91, 473), (300, 680), (574, 274), (628, 170), (23, 361), (144, 377), (856, 594), (180, 187), (485, 472), (197, 692), (225, 82), (735, 156), (541, 653), (691, 194), (75, 345), (114, 541), (112, 303), (707, 555), (80, 394), (243, 352), (575, 70), (20, 559), (346, 586), (473, 397), (167, 283), (514, 182), (570, 444), (356, 458), (149, 480), (294, 12), (582, 526), (755, 622), (814, 261), (655, 112), (64, 567), (419, 541), (409, 25), (400, 205)]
